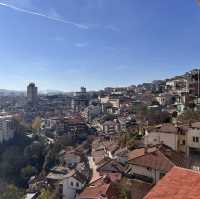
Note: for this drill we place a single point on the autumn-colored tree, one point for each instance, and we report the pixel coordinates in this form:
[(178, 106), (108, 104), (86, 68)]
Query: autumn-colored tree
[(36, 123)]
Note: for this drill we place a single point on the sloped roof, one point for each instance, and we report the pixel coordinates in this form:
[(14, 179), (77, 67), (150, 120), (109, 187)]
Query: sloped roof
[(163, 158), (195, 125), (122, 152), (179, 183), (95, 189), (155, 160), (136, 153), (168, 128), (111, 166), (178, 159), (80, 177)]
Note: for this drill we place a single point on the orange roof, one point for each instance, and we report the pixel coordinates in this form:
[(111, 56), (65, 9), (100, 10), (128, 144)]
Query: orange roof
[(136, 153), (161, 158), (179, 183), (95, 189)]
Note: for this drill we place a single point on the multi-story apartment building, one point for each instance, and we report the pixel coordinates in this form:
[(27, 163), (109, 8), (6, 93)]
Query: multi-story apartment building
[(166, 134), (80, 100), (91, 112), (7, 127), (193, 138), (178, 84), (32, 93), (185, 138), (170, 135), (194, 82)]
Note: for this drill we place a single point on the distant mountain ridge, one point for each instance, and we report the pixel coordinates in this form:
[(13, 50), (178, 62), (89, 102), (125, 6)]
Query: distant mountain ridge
[(6, 92), (10, 92)]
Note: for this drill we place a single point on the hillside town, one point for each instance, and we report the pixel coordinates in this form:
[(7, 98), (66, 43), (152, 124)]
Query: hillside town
[(118, 143)]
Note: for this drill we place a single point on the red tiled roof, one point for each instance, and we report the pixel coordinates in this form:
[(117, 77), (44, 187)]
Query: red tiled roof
[(155, 160), (136, 153), (95, 189), (163, 158), (179, 183), (177, 158)]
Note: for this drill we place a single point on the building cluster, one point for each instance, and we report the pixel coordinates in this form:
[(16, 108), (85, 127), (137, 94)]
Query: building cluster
[(138, 171), (132, 141), (67, 178)]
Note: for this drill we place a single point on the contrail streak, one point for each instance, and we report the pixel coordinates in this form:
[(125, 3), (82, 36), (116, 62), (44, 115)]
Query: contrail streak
[(77, 25)]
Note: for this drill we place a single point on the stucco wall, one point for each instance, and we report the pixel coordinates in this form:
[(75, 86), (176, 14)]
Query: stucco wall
[(168, 139), (148, 172)]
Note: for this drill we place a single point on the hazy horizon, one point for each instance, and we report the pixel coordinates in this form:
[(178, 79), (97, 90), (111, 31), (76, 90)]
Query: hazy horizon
[(68, 44), (88, 89)]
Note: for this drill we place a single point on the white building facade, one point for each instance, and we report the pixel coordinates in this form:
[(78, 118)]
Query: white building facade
[(7, 128)]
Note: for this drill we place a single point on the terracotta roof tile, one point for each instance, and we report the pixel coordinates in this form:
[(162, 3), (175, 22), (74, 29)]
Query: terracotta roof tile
[(163, 158), (179, 183), (96, 189), (136, 153), (155, 160)]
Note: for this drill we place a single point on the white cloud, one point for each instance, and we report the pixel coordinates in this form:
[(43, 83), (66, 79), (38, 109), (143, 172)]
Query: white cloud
[(20, 3), (54, 17), (81, 45)]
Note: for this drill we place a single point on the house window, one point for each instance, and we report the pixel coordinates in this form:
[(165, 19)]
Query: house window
[(196, 139), (183, 142), (149, 169), (72, 184), (77, 184)]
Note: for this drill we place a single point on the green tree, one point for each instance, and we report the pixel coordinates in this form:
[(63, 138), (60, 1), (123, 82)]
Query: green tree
[(35, 153), (51, 159), (45, 194), (125, 193), (11, 192), (28, 172)]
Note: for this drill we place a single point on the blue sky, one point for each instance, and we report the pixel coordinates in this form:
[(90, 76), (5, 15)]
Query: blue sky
[(65, 44)]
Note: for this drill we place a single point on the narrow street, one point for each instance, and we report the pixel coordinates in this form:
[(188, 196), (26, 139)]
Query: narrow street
[(95, 173)]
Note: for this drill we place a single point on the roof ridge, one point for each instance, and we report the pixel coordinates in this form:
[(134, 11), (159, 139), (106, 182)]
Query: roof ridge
[(166, 158), (185, 169)]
